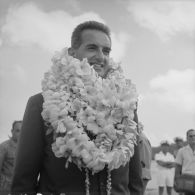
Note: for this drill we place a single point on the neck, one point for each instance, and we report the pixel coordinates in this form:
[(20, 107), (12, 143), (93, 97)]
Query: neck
[(192, 146), (14, 140), (107, 72)]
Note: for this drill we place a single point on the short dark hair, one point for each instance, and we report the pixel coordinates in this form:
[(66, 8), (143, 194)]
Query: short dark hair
[(178, 139), (164, 143), (188, 131), (14, 123), (76, 39)]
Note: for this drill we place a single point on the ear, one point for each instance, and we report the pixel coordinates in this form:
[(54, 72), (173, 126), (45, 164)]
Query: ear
[(71, 51)]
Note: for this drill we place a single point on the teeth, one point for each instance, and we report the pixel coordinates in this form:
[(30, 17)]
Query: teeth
[(97, 68), (98, 65)]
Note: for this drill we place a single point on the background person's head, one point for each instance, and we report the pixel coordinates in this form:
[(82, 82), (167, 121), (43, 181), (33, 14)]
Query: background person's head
[(92, 40), (16, 128), (179, 142), (190, 134), (165, 146)]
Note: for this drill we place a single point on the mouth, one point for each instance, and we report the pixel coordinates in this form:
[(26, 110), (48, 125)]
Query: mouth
[(98, 67)]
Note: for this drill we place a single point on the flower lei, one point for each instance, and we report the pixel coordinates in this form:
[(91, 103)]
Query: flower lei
[(90, 117)]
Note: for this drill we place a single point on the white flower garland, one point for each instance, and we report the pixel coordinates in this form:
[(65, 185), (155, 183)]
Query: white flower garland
[(91, 118)]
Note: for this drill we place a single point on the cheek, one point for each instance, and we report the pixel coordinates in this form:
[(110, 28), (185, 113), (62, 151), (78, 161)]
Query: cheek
[(89, 56), (84, 54), (106, 60)]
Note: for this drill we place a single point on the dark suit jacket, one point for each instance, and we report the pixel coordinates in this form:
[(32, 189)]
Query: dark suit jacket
[(38, 170)]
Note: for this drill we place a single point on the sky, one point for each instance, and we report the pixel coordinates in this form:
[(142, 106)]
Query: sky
[(154, 40)]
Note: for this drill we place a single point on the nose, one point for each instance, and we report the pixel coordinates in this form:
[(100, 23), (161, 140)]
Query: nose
[(100, 55)]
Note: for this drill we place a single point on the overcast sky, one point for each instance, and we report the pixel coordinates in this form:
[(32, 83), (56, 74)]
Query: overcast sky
[(154, 41)]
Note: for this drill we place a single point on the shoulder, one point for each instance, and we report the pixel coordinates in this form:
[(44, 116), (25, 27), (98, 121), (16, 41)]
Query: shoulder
[(4, 145), (144, 139), (180, 155), (38, 98), (36, 101), (183, 149), (145, 143)]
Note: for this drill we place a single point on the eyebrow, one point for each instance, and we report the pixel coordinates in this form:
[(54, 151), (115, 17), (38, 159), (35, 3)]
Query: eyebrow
[(108, 48), (95, 45), (91, 44)]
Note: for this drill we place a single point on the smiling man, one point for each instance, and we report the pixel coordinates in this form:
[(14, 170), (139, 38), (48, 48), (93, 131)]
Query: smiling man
[(93, 44), (35, 157)]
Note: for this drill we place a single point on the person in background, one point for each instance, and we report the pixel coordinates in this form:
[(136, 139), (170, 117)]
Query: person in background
[(179, 143), (165, 165), (35, 157), (185, 159), (7, 158), (145, 155)]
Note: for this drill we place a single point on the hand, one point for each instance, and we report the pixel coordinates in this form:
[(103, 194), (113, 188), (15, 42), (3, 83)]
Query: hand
[(175, 184), (170, 165)]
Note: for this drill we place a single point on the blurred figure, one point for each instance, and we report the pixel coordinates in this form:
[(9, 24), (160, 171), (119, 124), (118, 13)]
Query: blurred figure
[(185, 161), (179, 143), (165, 164), (145, 155), (7, 158)]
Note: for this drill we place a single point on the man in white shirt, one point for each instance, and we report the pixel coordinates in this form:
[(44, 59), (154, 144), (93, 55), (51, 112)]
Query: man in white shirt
[(165, 164), (185, 159)]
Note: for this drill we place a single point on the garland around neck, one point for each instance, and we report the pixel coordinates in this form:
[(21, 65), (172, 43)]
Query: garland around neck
[(91, 118)]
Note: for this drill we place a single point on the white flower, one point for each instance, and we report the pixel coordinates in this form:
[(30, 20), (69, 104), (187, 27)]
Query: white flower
[(91, 117)]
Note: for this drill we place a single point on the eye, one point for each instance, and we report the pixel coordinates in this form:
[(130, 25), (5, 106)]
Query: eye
[(106, 51), (91, 47)]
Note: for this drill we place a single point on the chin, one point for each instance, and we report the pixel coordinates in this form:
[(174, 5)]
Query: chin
[(101, 74)]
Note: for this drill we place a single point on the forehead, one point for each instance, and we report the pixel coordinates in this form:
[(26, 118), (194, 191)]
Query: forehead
[(191, 132), (95, 37), (18, 125)]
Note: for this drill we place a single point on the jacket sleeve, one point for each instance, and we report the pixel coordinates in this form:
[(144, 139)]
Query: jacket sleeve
[(30, 149), (2, 156), (136, 186)]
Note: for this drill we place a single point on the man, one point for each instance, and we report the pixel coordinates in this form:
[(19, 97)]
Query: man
[(7, 158), (145, 155), (165, 164), (185, 159), (179, 143), (35, 157)]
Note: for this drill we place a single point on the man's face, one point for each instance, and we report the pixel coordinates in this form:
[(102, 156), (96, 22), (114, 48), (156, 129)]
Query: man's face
[(16, 131), (191, 137), (179, 143), (96, 47)]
